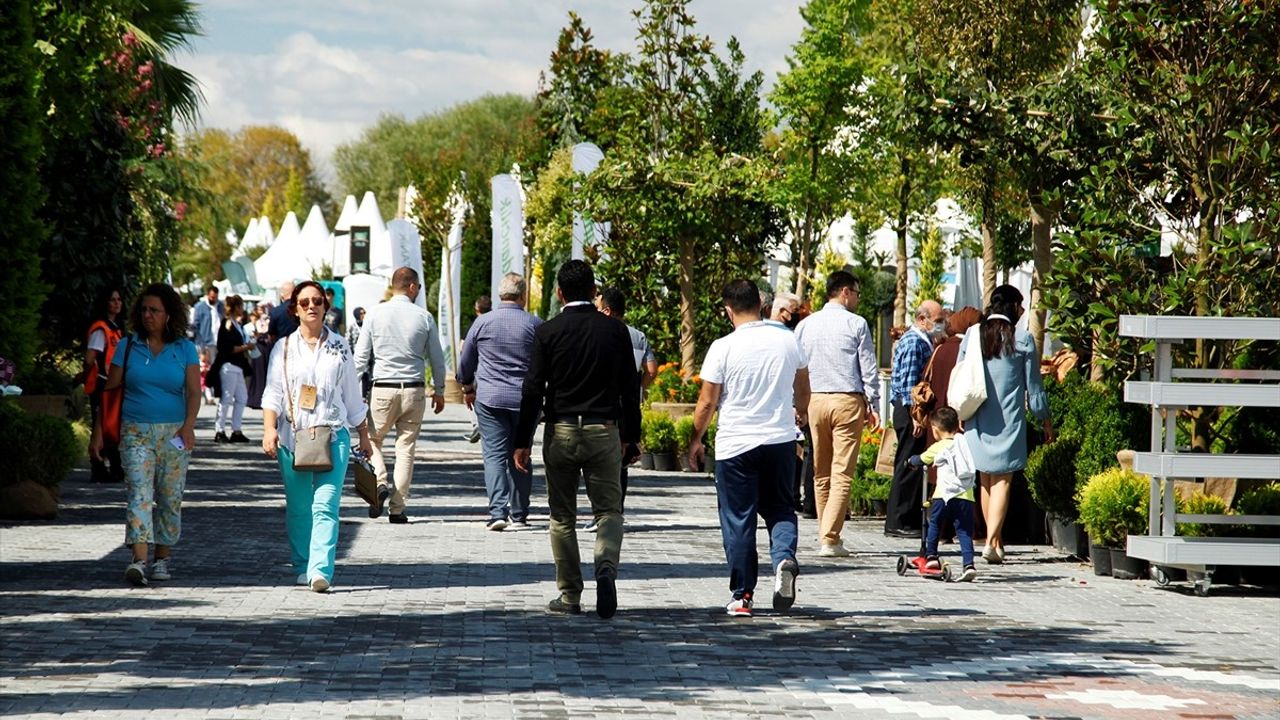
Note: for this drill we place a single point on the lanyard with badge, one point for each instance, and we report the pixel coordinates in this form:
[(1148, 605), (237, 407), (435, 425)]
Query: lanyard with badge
[(308, 394)]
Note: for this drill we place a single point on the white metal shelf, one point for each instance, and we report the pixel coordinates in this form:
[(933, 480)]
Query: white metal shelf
[(1199, 465), (1205, 551), (1189, 394), (1181, 327)]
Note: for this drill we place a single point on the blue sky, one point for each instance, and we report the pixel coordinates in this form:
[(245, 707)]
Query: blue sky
[(327, 69)]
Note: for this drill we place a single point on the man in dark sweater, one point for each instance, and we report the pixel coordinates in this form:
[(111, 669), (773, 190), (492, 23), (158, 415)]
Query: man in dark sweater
[(582, 375)]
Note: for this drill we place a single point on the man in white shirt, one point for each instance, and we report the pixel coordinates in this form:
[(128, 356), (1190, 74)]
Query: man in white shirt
[(845, 379), (397, 339), (756, 376)]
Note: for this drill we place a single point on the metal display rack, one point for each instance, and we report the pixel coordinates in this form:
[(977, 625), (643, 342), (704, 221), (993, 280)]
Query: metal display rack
[(1172, 389)]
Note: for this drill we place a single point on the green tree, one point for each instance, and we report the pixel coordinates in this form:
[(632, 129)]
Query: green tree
[(294, 194), (1189, 151), (682, 183), (816, 159), (549, 217), (932, 256), (22, 233), (570, 93)]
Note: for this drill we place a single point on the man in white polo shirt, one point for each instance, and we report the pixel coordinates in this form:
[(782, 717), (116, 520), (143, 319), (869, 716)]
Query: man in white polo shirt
[(756, 376)]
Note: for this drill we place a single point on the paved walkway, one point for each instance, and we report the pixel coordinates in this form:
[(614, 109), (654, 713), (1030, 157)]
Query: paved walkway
[(441, 618)]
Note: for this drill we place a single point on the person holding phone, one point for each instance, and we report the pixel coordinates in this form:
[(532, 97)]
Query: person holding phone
[(160, 372), (312, 383)]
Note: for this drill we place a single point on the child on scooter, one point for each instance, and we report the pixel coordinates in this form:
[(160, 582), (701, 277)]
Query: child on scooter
[(953, 495)]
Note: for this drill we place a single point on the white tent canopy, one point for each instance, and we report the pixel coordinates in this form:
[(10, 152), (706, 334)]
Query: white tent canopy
[(348, 215), (317, 242), (286, 259)]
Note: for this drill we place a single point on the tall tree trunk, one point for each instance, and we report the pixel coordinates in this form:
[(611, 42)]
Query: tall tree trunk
[(1042, 263), (1203, 418), (802, 271), (687, 346), (900, 227), (988, 224)]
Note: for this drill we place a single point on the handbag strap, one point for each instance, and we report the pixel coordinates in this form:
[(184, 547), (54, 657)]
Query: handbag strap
[(291, 415)]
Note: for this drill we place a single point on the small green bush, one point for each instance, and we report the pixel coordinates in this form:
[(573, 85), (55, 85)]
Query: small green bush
[(1051, 477), (659, 434), (1261, 500), (684, 432), (47, 446), (879, 488), (709, 437), (859, 496), (1200, 503), (1113, 505)]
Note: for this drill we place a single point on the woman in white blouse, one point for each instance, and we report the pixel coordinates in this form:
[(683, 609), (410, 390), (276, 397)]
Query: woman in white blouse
[(321, 389)]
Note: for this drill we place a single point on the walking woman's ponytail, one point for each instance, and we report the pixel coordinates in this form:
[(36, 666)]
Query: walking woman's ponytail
[(997, 324)]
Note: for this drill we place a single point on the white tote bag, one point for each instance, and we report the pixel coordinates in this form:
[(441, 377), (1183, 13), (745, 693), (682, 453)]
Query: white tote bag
[(967, 388)]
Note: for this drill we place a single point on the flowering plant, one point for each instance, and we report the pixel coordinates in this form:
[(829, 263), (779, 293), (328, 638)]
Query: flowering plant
[(671, 386)]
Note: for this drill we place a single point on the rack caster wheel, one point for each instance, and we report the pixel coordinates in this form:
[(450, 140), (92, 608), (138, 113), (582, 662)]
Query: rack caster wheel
[(1159, 576), (1202, 588), (903, 564)]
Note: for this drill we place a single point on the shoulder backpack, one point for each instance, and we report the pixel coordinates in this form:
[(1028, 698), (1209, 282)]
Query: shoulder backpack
[(967, 389)]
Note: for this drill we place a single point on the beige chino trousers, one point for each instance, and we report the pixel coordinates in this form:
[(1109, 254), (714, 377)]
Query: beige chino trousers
[(401, 409), (835, 422)]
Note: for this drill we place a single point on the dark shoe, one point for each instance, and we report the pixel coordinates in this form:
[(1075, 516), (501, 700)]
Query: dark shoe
[(221, 437), (384, 492), (903, 533), (784, 584), (473, 436), (238, 437), (560, 606), (606, 596), (398, 518)]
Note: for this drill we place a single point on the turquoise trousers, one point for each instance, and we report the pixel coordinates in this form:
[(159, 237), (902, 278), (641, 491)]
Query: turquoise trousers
[(311, 509)]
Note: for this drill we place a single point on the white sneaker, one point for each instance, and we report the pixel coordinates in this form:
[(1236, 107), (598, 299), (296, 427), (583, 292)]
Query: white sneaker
[(496, 525), (160, 569), (991, 555), (833, 550), (136, 573), (740, 607), (968, 575), (784, 584), (319, 584)]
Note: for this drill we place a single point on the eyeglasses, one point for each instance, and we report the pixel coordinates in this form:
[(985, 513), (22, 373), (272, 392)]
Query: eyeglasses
[(305, 303)]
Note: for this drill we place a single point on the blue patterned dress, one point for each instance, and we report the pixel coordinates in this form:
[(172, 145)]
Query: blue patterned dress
[(997, 433)]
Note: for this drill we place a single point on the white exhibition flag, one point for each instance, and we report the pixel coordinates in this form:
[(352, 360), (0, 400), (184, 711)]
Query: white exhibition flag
[(586, 232), (449, 317), (507, 217), (406, 251)]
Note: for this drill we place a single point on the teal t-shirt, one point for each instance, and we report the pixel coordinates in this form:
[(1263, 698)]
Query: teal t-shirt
[(155, 386)]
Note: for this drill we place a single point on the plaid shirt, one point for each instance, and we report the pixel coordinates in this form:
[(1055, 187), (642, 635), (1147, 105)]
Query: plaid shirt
[(910, 357)]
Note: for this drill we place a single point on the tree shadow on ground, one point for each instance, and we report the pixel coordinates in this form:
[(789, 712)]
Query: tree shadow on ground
[(671, 654)]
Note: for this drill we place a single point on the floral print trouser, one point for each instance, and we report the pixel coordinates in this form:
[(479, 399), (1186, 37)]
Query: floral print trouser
[(156, 473)]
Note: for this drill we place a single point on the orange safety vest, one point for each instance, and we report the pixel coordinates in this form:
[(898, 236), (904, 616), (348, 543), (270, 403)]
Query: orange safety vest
[(113, 336)]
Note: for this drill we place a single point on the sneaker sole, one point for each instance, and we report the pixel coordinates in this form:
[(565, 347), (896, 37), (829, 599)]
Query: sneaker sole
[(136, 577), (497, 525), (319, 585), (606, 597), (161, 577), (785, 596)]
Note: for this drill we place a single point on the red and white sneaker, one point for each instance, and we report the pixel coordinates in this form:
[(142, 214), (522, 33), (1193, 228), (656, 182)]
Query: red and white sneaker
[(739, 607)]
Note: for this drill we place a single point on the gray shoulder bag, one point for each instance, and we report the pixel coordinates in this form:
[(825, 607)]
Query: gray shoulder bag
[(310, 445)]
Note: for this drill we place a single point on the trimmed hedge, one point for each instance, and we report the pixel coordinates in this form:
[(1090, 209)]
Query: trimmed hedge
[(49, 446)]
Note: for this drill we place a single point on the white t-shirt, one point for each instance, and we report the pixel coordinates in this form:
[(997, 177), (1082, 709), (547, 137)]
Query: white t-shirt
[(755, 366)]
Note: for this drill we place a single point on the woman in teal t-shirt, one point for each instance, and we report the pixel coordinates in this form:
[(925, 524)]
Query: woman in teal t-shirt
[(160, 371)]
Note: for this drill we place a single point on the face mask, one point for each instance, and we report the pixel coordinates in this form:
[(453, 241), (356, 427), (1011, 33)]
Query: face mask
[(793, 321), (939, 328)]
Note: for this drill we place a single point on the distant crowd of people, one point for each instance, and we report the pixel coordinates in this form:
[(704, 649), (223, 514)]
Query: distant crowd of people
[(782, 376)]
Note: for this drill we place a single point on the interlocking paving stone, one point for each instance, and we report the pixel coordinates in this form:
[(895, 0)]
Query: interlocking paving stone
[(441, 618)]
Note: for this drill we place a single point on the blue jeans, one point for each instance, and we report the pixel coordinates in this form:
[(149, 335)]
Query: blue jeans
[(311, 502), (508, 488), (758, 481), (958, 511)]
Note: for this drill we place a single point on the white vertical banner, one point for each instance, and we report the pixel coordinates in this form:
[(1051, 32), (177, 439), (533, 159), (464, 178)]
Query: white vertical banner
[(449, 317), (406, 250), (507, 217), (586, 232)]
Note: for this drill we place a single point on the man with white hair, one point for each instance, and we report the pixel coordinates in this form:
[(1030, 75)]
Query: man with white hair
[(786, 309), (495, 359), (910, 356), (283, 322)]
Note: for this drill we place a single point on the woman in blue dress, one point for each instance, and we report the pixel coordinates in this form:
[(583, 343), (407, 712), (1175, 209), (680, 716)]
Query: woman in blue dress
[(997, 432)]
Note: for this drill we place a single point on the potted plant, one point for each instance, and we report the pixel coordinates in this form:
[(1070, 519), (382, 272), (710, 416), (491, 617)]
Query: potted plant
[(1260, 500), (859, 496), (50, 447), (1051, 478), (1113, 504), (673, 393), (647, 418), (660, 439), (709, 442), (878, 494), (684, 436)]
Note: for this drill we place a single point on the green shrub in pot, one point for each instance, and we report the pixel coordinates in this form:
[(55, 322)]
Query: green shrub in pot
[(1261, 500), (1200, 503), (659, 435), (1051, 477), (1113, 505)]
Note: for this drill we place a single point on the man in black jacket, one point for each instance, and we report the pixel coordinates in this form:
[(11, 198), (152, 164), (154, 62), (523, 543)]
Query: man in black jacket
[(583, 370)]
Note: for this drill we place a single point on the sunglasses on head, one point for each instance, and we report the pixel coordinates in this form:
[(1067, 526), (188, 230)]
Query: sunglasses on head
[(305, 303)]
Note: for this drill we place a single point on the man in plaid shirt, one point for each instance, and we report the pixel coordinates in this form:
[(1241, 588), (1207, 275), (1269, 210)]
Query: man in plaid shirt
[(910, 356)]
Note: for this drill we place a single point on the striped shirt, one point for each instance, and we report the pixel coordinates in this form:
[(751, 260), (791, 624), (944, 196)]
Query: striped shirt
[(842, 358)]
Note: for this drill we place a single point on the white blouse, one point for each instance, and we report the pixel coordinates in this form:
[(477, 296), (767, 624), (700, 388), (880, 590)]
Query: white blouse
[(339, 402)]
